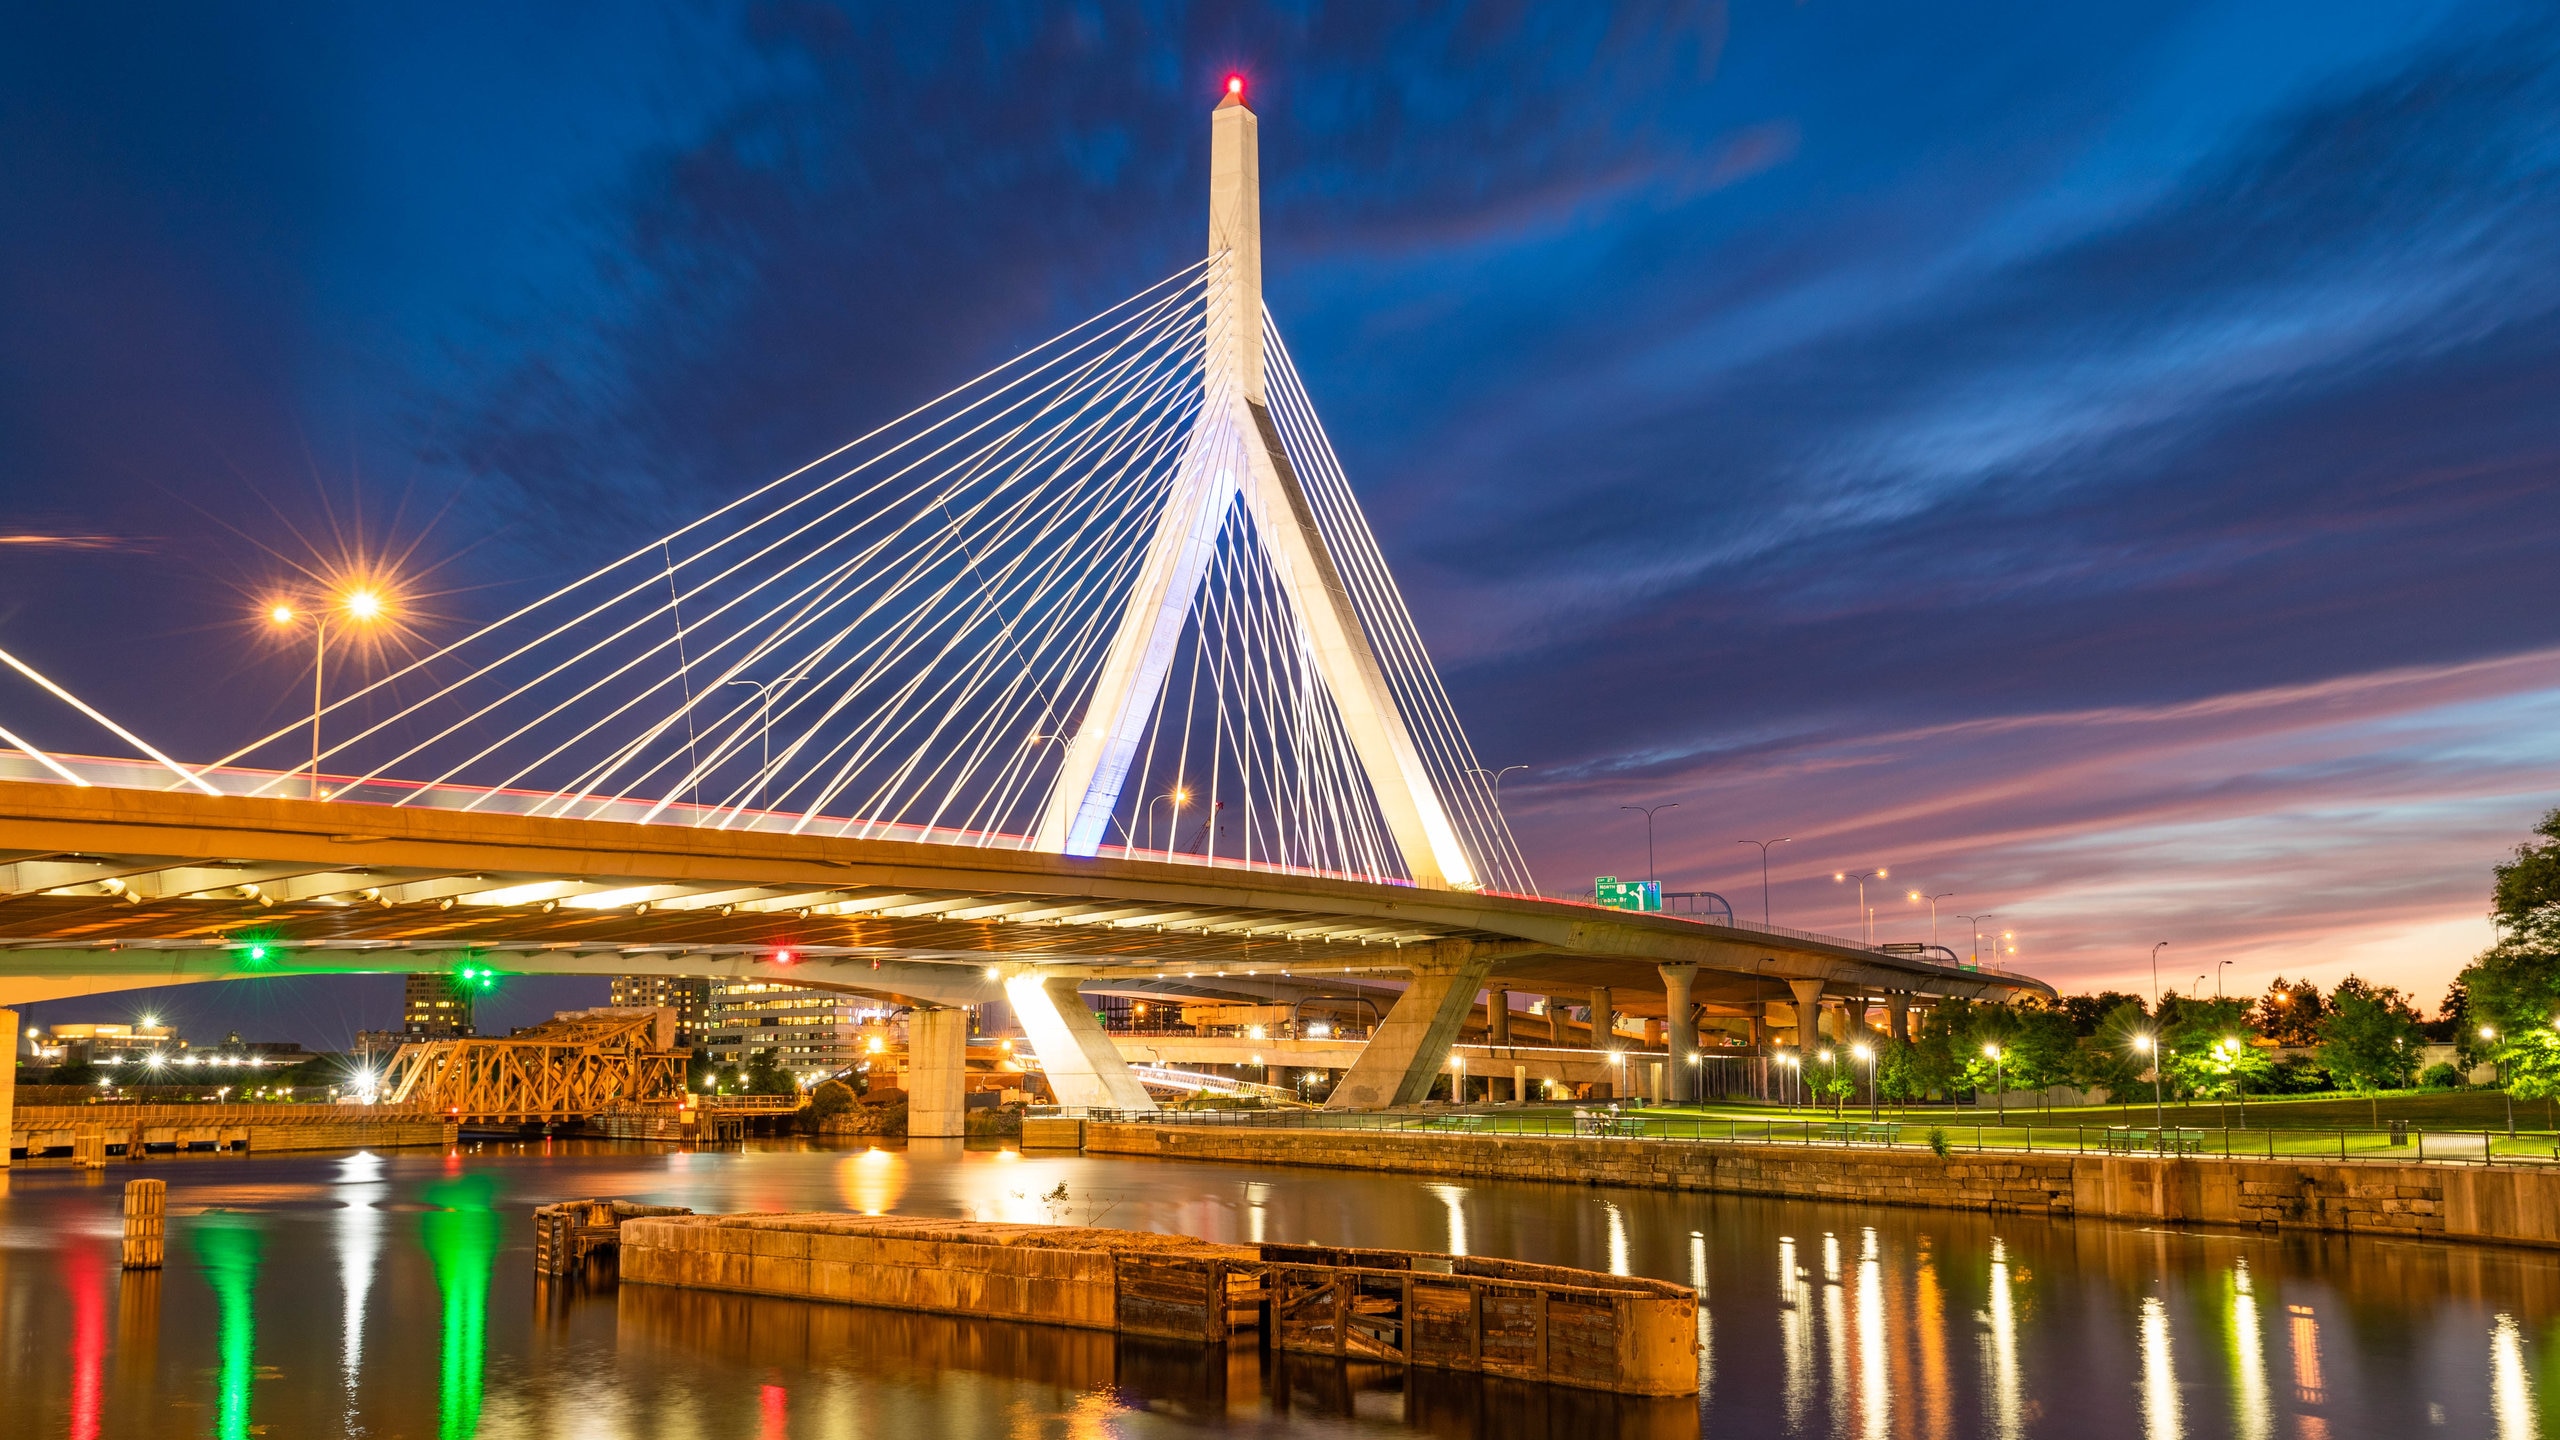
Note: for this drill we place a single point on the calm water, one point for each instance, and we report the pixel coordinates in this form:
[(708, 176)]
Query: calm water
[(393, 1295)]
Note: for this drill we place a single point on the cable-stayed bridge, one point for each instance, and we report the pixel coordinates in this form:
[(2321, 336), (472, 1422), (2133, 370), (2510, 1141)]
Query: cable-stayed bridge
[(1087, 672)]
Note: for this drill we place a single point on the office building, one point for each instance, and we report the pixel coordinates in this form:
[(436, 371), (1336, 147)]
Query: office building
[(435, 1008), (687, 995)]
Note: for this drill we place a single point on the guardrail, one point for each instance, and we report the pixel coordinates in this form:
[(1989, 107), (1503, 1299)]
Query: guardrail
[(2392, 1145)]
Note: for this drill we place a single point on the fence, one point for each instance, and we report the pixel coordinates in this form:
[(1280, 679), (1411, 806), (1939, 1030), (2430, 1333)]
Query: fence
[(2396, 1144)]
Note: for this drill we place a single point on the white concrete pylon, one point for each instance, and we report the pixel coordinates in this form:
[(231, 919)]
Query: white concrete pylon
[(1234, 455), (1084, 1069)]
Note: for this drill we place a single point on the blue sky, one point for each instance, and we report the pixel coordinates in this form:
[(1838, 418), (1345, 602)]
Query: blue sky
[(2098, 460)]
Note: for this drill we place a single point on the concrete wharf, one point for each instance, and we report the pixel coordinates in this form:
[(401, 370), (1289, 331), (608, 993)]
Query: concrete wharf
[(1504, 1318)]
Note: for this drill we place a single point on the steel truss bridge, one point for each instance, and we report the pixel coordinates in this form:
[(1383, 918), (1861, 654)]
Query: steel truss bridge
[(1087, 674)]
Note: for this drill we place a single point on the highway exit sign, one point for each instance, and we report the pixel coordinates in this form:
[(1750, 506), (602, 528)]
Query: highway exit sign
[(1620, 894)]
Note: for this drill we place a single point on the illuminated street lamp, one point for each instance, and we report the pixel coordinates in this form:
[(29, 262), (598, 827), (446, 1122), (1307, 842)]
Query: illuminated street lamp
[(1874, 1103), (2490, 1034), (364, 605), (1865, 916), (2231, 1052), (1999, 1080), (1177, 797), (2159, 1111)]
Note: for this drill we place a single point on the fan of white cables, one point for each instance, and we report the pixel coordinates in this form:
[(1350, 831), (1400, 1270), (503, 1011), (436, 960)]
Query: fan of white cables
[(899, 639)]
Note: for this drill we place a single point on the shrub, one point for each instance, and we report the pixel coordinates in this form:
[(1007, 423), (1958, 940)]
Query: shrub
[(830, 1099), (1938, 1142), (2441, 1077)]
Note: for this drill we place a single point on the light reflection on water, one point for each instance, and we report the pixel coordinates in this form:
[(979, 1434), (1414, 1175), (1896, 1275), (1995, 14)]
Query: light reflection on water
[(392, 1295)]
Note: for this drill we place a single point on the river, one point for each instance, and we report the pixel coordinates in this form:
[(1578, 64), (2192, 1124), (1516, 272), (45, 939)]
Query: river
[(393, 1295)]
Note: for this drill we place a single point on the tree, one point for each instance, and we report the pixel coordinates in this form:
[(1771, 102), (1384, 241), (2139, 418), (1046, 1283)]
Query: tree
[(2529, 885), (2290, 1013), (2369, 1041), (2088, 1012), (2106, 1059), (765, 1076), (2210, 1052)]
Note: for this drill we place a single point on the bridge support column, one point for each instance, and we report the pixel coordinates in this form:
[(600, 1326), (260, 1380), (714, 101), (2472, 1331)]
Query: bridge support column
[(1497, 1017), (937, 1073), (8, 1081), (1604, 1019), (1679, 1026), (1411, 1046), (1519, 1084), (1808, 995), (1086, 1071), (1898, 1005)]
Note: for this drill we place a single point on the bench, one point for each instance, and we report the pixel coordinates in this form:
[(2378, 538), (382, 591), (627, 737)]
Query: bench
[(1621, 1127), (1859, 1133), (2137, 1140)]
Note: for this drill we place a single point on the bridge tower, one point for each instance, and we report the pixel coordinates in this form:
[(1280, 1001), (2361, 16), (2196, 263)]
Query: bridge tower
[(1234, 456)]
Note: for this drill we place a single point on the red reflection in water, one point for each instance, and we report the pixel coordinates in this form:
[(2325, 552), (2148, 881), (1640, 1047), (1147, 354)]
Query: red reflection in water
[(777, 1406), (86, 1282)]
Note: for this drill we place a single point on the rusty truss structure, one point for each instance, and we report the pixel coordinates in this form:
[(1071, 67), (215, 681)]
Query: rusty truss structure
[(567, 1069)]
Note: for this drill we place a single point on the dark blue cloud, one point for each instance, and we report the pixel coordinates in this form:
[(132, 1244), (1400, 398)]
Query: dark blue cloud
[(1762, 404)]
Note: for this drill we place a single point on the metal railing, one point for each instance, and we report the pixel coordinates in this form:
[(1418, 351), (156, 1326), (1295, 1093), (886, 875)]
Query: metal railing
[(2397, 1144)]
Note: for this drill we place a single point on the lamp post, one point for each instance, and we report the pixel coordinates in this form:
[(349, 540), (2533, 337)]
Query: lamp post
[(2155, 975), (1917, 897), (364, 605), (2231, 1048), (1977, 922), (1179, 797), (1868, 1054), (1494, 778), (1764, 872), (1652, 877), (2159, 1062), (1999, 1079), (1835, 1095), (1865, 916), (2217, 978), (764, 725), (2490, 1034)]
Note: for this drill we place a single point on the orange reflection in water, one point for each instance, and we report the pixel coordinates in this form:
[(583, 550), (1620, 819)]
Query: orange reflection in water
[(872, 1181)]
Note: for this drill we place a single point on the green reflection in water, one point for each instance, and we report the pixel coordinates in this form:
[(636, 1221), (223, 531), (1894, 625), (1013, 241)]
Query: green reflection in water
[(227, 1246), (462, 1241)]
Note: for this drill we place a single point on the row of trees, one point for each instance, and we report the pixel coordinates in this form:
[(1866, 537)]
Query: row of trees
[(2505, 1007), (2367, 1037)]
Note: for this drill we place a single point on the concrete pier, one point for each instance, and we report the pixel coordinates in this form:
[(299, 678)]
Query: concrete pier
[(1497, 1317)]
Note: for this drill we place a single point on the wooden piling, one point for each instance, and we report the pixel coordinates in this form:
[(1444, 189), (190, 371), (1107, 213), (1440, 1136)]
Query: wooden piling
[(146, 1223)]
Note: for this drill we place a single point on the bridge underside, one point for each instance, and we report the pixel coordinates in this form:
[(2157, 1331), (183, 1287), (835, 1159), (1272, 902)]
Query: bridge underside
[(110, 889)]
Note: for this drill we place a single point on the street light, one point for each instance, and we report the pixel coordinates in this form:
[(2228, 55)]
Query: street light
[(2231, 1050), (1977, 922), (1764, 872), (764, 705), (1179, 798), (2159, 1111), (2490, 1034), (1868, 1054), (1917, 897), (1865, 916), (1835, 1099), (1651, 876), (2155, 975), (1494, 779), (2217, 978), (364, 604), (1999, 1080)]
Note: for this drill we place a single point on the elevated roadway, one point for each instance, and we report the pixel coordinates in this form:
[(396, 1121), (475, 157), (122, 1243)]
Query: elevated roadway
[(105, 889)]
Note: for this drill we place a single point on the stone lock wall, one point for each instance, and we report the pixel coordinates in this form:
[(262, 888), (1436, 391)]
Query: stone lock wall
[(2497, 1204)]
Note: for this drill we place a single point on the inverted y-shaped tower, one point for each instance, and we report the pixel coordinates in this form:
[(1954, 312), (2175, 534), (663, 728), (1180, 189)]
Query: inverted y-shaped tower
[(1234, 456)]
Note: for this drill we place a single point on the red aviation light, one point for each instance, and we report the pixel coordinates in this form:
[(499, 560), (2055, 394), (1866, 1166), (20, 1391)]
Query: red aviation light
[(1235, 86), (782, 957)]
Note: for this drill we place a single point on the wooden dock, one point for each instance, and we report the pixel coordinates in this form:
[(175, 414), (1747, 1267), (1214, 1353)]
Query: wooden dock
[(1497, 1317)]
